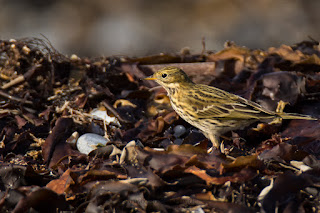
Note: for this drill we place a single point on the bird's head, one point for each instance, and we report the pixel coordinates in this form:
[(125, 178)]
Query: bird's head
[(170, 77)]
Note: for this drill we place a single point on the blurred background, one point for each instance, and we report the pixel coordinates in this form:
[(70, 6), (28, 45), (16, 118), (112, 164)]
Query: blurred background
[(143, 27)]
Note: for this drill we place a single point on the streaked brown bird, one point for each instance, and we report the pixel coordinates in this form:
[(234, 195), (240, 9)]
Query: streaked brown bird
[(213, 110)]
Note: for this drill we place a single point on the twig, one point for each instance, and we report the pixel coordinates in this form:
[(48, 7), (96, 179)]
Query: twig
[(203, 42), (154, 88), (13, 98), (15, 81), (114, 112), (21, 78)]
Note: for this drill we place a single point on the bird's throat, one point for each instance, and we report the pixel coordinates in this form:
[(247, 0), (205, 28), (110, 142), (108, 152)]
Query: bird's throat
[(172, 88)]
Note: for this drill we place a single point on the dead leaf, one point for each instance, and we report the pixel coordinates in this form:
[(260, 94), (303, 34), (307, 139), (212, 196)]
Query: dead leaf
[(244, 175), (62, 185)]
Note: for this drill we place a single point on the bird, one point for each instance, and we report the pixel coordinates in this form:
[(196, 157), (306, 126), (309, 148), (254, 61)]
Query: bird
[(212, 110)]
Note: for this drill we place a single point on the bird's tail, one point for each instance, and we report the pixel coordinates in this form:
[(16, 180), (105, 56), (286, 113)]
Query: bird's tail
[(296, 116)]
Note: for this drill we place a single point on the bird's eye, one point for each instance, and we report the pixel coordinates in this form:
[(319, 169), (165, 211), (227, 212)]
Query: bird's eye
[(164, 75)]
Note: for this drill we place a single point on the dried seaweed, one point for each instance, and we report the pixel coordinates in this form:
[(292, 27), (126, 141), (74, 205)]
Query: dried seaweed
[(147, 165)]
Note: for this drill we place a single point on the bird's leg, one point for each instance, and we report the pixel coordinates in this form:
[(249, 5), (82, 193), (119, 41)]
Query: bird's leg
[(214, 140), (279, 110), (281, 105)]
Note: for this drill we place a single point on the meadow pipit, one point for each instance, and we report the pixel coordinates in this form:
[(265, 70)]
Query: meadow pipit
[(213, 110)]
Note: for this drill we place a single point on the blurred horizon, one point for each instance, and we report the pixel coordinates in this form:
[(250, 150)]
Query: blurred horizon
[(142, 27)]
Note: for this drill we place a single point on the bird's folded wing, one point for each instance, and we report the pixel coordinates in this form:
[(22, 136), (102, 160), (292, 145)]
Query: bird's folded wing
[(216, 103)]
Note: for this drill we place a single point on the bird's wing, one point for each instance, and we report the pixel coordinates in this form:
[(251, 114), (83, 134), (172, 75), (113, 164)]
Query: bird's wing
[(210, 102)]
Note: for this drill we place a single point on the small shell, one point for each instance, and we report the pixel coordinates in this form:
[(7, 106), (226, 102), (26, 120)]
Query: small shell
[(72, 140), (89, 141), (102, 115)]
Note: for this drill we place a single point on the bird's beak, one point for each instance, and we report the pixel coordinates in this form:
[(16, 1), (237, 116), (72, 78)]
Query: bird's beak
[(150, 78)]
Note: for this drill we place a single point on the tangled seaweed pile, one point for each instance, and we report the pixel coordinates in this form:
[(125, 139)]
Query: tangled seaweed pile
[(152, 160)]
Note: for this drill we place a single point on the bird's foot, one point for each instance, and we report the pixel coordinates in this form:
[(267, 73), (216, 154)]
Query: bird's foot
[(222, 149)]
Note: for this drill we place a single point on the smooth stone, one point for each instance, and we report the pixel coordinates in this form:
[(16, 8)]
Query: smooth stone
[(179, 130)]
